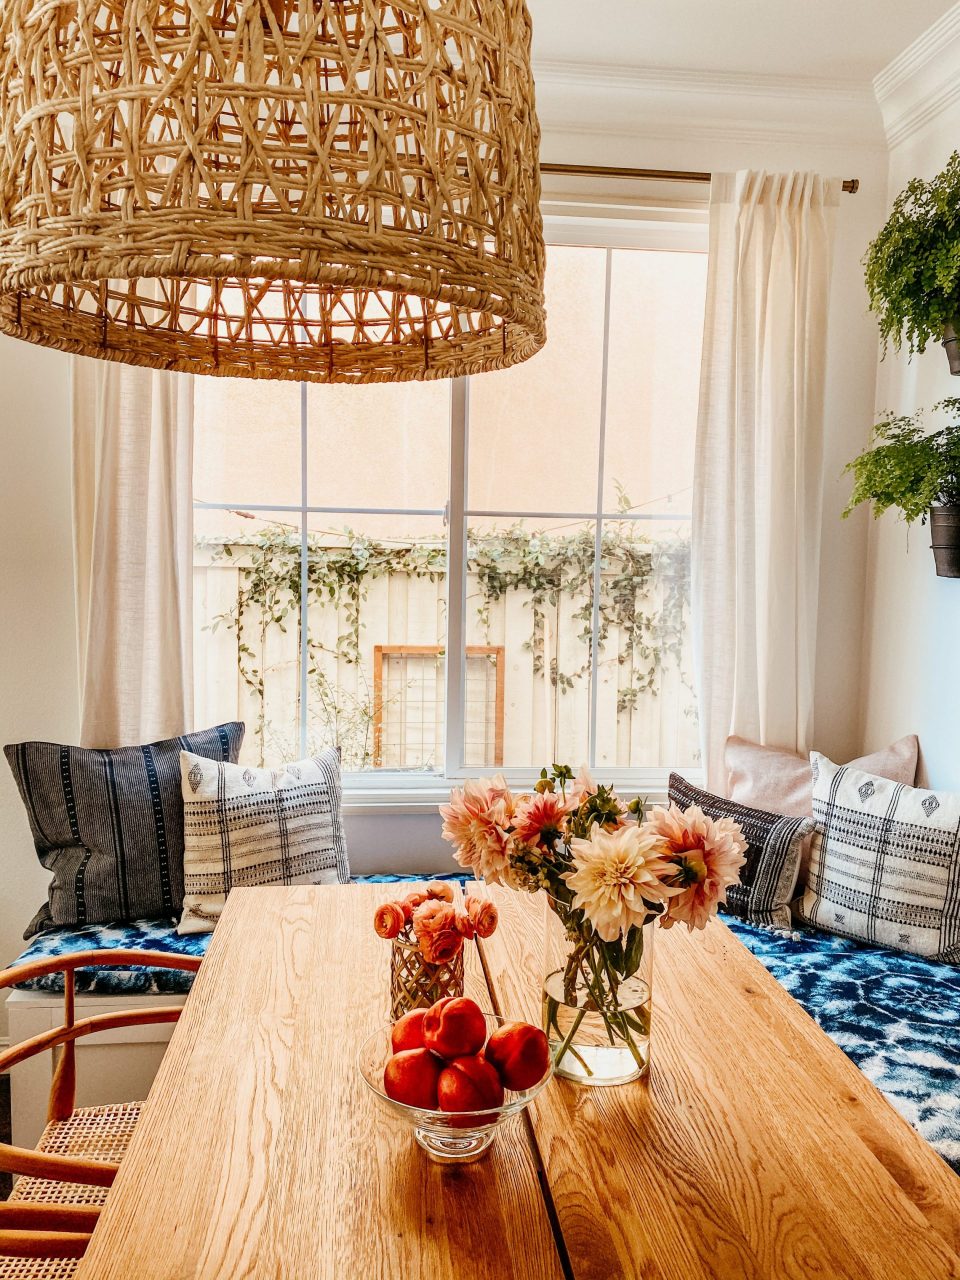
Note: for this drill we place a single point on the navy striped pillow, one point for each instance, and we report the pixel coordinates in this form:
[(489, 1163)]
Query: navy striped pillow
[(774, 849), (109, 824)]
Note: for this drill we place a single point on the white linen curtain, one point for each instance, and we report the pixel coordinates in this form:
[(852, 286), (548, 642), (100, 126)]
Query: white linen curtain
[(133, 548), (758, 473)]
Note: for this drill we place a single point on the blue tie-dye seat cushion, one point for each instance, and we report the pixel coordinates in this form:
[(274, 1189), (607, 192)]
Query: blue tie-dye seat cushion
[(895, 1015)]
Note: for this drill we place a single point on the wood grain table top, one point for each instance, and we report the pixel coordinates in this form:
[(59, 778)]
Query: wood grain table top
[(757, 1149)]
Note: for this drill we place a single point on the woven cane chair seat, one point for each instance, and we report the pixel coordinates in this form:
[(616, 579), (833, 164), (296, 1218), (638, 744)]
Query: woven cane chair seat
[(94, 1133), (38, 1268)]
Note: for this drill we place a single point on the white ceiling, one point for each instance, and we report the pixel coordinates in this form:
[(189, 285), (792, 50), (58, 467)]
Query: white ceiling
[(824, 39)]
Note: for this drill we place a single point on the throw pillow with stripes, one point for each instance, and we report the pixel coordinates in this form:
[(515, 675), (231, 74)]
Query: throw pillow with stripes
[(885, 862), (109, 824), (775, 845), (246, 826)]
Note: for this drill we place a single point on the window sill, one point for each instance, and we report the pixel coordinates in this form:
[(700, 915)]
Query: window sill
[(404, 796)]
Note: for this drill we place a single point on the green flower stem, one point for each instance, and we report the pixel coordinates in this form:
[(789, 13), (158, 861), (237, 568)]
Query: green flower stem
[(553, 1007), (567, 1044)]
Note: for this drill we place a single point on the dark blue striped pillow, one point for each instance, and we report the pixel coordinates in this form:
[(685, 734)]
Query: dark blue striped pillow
[(109, 824), (774, 849)]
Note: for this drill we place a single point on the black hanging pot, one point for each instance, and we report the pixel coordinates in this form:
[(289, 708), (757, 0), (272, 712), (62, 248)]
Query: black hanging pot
[(951, 343), (945, 539)]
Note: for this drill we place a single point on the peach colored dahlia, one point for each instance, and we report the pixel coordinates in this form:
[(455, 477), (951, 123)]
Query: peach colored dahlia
[(616, 873), (582, 786), (706, 855), (476, 823)]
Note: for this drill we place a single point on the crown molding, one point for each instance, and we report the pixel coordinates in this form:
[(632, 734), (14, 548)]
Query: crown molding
[(667, 80), (923, 82), (601, 100)]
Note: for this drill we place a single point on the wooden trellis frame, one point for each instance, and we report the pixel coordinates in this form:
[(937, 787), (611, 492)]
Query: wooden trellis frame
[(381, 651)]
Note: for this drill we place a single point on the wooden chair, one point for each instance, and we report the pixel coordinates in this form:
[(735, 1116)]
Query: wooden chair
[(47, 1222)]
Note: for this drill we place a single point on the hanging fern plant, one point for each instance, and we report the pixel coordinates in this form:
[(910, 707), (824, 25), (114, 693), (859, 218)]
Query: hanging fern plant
[(913, 266)]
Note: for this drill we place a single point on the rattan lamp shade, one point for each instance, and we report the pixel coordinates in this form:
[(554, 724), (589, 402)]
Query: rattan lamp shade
[(328, 190)]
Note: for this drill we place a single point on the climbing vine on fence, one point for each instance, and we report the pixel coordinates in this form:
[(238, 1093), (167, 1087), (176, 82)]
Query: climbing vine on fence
[(644, 591)]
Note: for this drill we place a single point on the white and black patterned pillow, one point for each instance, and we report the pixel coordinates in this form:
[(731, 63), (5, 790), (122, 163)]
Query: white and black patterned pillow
[(774, 848), (109, 824), (885, 862), (247, 826)]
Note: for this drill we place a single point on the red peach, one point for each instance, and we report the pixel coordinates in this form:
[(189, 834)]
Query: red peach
[(412, 1077), (454, 1027), (469, 1084), (520, 1053), (407, 1031)]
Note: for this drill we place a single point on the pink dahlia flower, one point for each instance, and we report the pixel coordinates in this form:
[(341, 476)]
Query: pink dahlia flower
[(476, 822), (582, 786), (539, 820), (706, 854)]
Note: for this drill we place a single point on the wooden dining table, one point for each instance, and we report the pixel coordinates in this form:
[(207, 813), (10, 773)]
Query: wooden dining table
[(755, 1149)]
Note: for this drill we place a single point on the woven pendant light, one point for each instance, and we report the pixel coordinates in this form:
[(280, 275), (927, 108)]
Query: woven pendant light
[(328, 190)]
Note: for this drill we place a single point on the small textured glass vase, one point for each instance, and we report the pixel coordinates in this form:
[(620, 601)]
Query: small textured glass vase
[(414, 984), (596, 998)]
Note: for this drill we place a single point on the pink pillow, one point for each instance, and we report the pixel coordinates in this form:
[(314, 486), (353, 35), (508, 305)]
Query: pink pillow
[(780, 781)]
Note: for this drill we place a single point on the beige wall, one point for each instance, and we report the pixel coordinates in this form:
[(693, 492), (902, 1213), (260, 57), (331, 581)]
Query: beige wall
[(38, 673), (911, 658)]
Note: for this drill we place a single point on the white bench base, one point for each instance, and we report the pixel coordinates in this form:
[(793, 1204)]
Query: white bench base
[(112, 1066)]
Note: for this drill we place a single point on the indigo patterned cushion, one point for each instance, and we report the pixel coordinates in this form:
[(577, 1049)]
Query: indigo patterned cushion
[(896, 1016), (137, 980), (774, 848), (885, 862), (109, 824), (247, 826)]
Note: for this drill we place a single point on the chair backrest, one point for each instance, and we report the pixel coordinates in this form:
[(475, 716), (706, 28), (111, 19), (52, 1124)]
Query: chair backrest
[(60, 1231)]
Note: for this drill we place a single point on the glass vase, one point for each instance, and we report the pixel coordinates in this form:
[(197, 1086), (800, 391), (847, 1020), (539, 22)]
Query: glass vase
[(596, 998)]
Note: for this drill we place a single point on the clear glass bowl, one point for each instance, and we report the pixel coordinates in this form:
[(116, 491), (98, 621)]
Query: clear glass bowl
[(447, 1137)]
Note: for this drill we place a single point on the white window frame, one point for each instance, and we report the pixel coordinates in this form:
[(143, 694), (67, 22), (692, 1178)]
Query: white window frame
[(596, 221)]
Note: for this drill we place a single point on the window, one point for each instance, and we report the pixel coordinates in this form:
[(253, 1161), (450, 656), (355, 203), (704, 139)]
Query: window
[(550, 503)]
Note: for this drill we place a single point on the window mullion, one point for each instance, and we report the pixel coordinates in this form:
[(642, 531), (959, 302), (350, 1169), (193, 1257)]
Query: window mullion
[(598, 546), (456, 647)]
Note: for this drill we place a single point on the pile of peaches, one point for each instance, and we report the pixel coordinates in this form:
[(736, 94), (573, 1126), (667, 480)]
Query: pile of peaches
[(443, 1061)]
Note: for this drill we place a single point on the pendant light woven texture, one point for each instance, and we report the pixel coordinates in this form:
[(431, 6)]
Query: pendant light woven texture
[(327, 190)]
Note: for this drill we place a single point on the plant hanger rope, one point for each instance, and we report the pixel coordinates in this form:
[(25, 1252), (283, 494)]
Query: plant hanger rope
[(321, 190)]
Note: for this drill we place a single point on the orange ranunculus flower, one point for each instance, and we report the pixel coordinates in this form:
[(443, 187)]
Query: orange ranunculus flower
[(440, 891), (388, 919), (484, 916), (465, 925), (415, 899), (435, 924), (440, 948)]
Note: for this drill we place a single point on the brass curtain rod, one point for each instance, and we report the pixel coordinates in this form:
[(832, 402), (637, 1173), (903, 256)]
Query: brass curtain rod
[(851, 185)]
